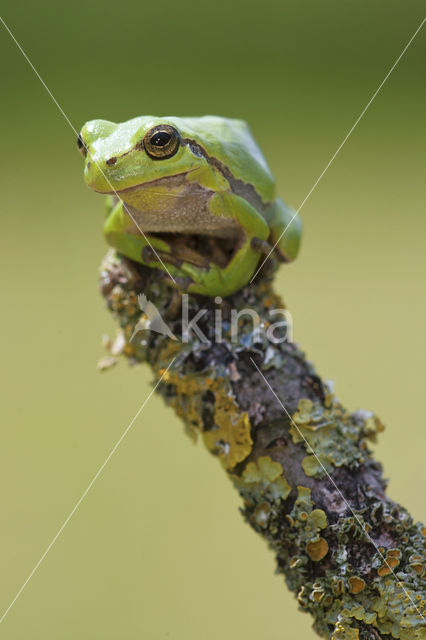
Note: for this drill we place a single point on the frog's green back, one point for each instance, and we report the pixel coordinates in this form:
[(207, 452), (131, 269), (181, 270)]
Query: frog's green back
[(231, 142)]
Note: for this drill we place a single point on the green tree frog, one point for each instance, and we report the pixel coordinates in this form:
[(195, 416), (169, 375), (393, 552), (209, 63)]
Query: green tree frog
[(191, 196)]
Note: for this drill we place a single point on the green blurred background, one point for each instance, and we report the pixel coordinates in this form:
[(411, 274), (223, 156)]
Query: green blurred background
[(158, 549)]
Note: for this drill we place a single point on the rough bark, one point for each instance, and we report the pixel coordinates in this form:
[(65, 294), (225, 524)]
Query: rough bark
[(299, 459)]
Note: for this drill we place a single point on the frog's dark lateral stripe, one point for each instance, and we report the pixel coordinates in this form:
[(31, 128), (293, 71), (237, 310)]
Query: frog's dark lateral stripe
[(240, 188)]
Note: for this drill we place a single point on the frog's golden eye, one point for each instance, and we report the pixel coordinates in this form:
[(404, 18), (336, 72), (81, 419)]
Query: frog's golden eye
[(161, 142), (81, 146)]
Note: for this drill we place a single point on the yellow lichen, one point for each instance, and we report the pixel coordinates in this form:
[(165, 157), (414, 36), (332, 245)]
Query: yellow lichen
[(392, 562), (317, 595), (229, 437), (170, 351), (356, 584), (343, 632), (337, 585), (328, 600), (301, 597), (317, 549), (230, 440), (372, 426), (415, 557), (418, 568)]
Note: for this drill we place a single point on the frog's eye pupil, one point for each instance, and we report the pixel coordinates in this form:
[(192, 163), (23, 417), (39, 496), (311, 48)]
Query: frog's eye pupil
[(161, 142), (160, 139)]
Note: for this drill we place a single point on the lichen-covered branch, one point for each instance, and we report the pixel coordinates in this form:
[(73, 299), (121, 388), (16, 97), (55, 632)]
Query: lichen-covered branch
[(353, 557)]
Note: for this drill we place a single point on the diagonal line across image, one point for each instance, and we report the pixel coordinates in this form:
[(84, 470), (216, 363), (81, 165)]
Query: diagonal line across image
[(113, 450), (339, 148), (91, 157), (85, 492)]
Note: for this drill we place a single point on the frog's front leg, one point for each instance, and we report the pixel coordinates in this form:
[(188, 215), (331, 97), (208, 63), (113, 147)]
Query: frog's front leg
[(254, 232), (124, 235)]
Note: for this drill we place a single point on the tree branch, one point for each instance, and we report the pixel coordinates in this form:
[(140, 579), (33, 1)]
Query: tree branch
[(299, 459)]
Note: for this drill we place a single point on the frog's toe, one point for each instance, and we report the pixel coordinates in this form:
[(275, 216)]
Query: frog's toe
[(261, 246)]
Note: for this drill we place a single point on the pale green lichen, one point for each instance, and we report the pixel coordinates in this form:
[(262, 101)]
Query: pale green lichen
[(317, 519), (392, 603), (263, 479), (399, 610), (316, 465), (331, 435)]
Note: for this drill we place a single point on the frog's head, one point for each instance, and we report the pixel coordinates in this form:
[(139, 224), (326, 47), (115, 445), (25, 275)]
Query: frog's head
[(122, 156)]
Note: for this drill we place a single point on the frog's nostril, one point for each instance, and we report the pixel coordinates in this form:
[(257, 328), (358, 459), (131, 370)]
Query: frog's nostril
[(112, 160)]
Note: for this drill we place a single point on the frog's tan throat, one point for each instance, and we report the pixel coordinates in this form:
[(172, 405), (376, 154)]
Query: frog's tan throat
[(177, 211)]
